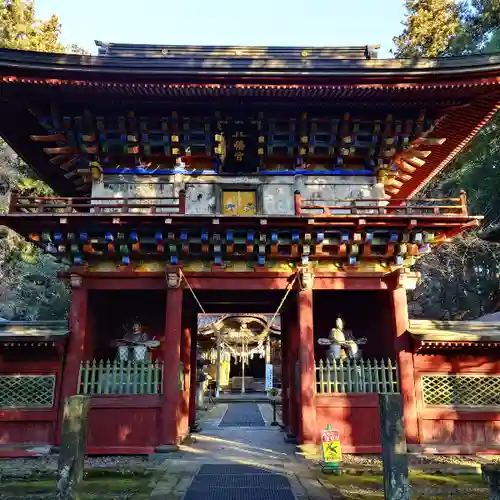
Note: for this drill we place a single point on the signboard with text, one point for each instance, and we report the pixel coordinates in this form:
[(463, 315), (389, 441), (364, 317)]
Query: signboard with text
[(269, 377), (331, 451)]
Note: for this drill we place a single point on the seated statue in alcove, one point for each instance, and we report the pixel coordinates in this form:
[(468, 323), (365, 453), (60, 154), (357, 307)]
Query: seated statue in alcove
[(134, 346), (342, 343)]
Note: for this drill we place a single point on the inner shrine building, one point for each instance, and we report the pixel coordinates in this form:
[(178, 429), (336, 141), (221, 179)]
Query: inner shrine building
[(243, 180)]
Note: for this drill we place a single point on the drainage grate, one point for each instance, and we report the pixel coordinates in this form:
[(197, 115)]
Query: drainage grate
[(266, 481), (239, 494), (238, 482), (219, 469), (242, 415)]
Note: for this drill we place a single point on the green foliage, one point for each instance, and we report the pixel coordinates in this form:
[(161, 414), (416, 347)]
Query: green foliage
[(29, 287), (460, 278), (19, 29), (429, 27), (482, 21)]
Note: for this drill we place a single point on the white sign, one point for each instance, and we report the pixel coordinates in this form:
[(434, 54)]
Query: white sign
[(269, 377)]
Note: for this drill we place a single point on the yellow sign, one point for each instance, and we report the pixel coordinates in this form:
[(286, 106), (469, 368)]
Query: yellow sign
[(330, 446)]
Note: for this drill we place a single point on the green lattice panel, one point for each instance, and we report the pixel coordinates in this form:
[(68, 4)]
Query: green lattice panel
[(27, 391), (461, 390)]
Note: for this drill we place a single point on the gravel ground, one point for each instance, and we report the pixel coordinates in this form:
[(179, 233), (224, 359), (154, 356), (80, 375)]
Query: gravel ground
[(463, 460), (26, 467), (22, 467)]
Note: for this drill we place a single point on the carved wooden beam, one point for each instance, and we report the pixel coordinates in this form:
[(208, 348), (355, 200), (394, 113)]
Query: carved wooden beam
[(416, 162), (391, 189), (415, 152), (60, 150), (70, 163), (429, 141), (49, 138), (394, 182), (406, 167), (58, 159), (404, 177)]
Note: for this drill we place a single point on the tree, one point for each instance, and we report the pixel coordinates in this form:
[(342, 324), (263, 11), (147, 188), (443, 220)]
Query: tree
[(460, 278), (482, 21), (29, 287), (429, 27), (19, 29)]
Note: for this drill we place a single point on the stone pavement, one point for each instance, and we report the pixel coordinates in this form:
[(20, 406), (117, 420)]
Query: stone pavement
[(244, 455)]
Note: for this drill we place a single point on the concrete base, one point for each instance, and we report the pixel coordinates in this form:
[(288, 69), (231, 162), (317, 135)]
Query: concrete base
[(167, 448), (195, 428), (309, 451), (308, 448)]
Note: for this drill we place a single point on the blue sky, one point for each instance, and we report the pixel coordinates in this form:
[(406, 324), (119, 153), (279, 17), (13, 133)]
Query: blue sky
[(222, 22)]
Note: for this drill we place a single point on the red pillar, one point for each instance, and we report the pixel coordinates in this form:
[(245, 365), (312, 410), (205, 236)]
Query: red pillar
[(399, 311), (75, 348), (307, 404), (192, 393), (292, 338), (183, 409), (171, 360), (285, 394)]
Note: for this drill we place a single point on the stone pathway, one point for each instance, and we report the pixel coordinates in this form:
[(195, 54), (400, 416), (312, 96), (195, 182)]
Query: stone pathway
[(238, 462)]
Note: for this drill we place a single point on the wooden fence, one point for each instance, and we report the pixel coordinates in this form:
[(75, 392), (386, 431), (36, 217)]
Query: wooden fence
[(361, 376), (114, 377)]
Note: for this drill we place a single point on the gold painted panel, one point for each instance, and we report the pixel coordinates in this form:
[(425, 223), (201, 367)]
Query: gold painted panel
[(230, 202), (239, 203), (247, 203)]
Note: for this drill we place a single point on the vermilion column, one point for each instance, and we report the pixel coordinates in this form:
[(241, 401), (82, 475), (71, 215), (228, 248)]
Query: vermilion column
[(307, 405), (292, 340), (171, 360), (183, 409), (399, 311), (192, 392), (75, 347), (285, 394)]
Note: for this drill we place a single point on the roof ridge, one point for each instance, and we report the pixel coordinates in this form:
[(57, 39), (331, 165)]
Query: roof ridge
[(235, 51)]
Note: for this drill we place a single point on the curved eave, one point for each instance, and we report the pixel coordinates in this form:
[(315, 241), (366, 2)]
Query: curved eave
[(460, 126), (423, 347), (23, 63), (473, 82), (440, 336)]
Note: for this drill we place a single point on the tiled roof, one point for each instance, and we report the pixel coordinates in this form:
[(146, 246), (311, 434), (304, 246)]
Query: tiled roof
[(38, 331)]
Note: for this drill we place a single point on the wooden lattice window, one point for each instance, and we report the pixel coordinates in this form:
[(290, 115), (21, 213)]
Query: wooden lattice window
[(461, 390), (27, 391)]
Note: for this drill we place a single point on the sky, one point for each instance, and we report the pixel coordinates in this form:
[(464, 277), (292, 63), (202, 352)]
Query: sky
[(222, 22)]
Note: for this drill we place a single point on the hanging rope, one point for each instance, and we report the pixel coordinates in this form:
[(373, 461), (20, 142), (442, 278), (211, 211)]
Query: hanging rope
[(266, 331), (183, 277), (288, 290)]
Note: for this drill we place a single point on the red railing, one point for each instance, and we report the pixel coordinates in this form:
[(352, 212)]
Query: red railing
[(303, 207), (425, 206), (98, 205)]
